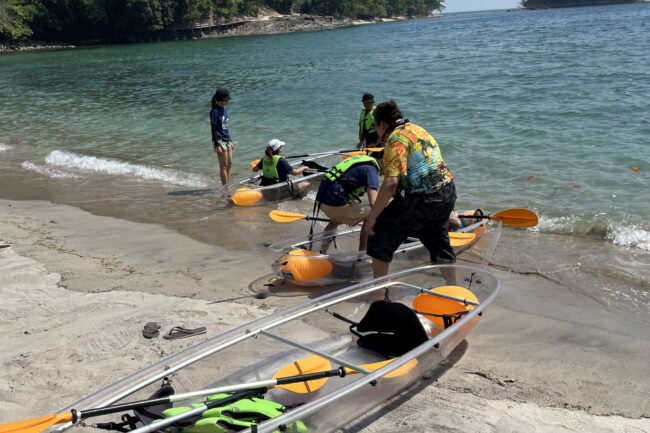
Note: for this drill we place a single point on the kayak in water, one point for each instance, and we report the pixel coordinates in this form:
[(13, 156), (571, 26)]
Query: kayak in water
[(329, 258)]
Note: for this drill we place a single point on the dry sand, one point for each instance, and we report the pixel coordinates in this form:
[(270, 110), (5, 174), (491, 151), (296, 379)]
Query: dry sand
[(76, 290)]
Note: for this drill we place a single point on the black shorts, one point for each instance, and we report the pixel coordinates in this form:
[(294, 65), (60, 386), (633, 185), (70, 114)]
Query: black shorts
[(425, 217)]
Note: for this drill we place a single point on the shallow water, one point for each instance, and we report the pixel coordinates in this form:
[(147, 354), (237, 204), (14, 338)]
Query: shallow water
[(540, 109)]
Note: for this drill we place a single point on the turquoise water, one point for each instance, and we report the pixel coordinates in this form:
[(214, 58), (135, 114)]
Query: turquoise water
[(540, 109)]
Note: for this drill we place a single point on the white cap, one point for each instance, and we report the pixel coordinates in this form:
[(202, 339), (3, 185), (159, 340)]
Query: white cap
[(276, 144)]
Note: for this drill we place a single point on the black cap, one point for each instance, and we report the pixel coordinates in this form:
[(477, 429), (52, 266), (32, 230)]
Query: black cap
[(367, 97), (222, 94)]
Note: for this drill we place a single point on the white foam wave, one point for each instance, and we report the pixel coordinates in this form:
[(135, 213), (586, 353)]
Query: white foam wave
[(4, 147), (46, 171), (619, 233), (565, 224), (628, 235), (111, 166)]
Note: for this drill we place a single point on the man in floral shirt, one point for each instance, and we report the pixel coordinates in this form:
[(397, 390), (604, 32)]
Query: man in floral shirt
[(422, 188)]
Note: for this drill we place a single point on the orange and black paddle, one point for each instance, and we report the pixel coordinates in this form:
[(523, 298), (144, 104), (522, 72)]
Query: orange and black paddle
[(515, 217)]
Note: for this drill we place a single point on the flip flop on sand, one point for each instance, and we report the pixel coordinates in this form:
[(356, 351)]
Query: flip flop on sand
[(151, 330), (179, 332)]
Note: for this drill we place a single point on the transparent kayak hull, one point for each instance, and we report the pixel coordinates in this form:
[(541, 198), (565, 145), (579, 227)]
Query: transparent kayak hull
[(257, 350), (300, 261)]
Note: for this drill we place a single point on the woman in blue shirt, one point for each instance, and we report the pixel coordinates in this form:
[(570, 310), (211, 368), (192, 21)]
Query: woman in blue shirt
[(221, 141)]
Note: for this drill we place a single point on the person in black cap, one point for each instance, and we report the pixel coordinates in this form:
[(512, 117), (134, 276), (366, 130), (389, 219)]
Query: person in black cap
[(367, 134), (221, 141)]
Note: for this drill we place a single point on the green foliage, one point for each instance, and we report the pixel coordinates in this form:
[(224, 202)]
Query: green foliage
[(115, 20)]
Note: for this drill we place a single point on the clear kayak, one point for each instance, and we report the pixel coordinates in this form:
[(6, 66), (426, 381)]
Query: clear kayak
[(248, 191), (301, 261), (314, 367)]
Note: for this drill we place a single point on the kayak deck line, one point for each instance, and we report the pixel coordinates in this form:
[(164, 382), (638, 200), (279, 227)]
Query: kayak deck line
[(316, 352)]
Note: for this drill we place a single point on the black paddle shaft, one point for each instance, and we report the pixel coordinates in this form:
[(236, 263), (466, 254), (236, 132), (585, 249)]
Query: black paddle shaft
[(310, 218), (234, 397), (474, 216), (311, 376)]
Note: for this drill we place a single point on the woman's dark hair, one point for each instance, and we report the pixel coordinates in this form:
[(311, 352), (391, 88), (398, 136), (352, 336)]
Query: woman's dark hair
[(270, 152), (220, 94), (387, 112)]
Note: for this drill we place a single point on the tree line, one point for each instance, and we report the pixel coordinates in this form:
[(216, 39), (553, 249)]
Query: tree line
[(113, 20)]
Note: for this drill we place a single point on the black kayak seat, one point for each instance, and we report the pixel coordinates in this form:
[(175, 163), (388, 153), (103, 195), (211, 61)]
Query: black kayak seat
[(389, 328)]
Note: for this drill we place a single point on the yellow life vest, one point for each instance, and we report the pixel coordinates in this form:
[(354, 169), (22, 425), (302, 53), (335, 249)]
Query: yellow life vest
[(367, 121), (270, 169)]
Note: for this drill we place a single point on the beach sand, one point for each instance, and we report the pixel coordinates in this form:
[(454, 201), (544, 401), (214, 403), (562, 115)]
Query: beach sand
[(77, 289)]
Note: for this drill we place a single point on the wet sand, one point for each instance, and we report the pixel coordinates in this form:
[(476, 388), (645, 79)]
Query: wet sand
[(77, 289)]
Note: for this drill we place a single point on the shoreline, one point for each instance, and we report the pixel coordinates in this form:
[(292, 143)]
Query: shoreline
[(266, 23), (78, 288)]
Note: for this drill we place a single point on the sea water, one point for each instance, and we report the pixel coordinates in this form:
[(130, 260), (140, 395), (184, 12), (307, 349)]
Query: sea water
[(546, 110)]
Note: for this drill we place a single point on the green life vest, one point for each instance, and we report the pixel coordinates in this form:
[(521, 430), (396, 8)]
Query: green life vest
[(335, 174), (367, 120), (270, 170), (236, 416)]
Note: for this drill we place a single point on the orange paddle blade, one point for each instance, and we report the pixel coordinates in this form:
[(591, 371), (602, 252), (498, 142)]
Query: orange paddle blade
[(311, 364), (36, 425), (365, 151), (280, 216), (516, 217), (432, 304), (401, 371), (460, 239), (246, 197), (254, 163)]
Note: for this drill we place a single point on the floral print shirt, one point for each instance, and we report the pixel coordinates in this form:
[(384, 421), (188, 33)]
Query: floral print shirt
[(413, 154)]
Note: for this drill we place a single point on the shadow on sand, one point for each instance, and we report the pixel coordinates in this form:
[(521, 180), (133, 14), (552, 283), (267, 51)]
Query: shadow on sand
[(395, 402), (271, 285)]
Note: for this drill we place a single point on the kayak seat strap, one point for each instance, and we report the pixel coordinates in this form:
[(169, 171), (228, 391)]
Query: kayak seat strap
[(447, 319), (128, 424)]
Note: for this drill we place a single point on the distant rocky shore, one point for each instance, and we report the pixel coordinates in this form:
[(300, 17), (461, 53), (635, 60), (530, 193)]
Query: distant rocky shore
[(266, 23)]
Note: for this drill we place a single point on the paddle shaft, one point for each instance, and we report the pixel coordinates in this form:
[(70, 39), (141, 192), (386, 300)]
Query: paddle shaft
[(202, 393), (496, 217), (304, 155), (309, 218), (331, 152)]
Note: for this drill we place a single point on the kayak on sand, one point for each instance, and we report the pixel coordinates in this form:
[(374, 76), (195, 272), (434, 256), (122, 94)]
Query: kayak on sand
[(300, 261), (332, 257), (315, 367)]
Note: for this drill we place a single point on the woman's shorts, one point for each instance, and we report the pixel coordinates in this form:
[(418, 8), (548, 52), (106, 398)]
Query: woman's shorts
[(351, 213), (223, 144), (425, 217)]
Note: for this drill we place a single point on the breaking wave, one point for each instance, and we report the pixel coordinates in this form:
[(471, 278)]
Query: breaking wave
[(110, 166), (628, 235), (624, 233), (4, 147), (49, 172)]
